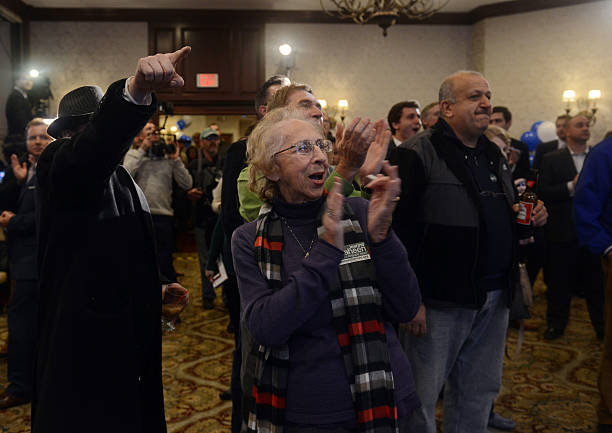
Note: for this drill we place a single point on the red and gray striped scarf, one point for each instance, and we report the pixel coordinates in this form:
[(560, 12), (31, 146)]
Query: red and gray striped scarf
[(357, 317)]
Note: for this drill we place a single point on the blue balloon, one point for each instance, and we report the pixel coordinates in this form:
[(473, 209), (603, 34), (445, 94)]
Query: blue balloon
[(186, 140), (534, 127), (181, 124), (531, 139)]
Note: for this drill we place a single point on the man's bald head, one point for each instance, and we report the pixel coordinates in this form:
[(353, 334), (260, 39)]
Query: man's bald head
[(449, 85), (465, 105)]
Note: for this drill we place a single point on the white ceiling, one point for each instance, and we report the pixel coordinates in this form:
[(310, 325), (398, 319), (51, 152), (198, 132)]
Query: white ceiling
[(452, 6)]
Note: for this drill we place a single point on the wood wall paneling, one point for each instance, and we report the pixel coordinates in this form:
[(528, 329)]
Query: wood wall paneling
[(251, 54), (212, 53), (233, 51)]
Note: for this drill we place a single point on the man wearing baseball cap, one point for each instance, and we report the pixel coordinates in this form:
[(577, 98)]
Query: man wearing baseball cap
[(206, 173)]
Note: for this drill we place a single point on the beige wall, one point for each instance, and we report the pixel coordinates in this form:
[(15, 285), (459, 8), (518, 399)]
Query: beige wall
[(531, 58), (75, 54), (357, 63)]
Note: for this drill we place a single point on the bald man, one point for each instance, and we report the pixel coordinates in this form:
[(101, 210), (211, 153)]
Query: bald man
[(456, 214)]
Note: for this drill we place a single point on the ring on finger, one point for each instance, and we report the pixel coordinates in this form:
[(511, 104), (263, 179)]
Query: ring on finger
[(396, 199)]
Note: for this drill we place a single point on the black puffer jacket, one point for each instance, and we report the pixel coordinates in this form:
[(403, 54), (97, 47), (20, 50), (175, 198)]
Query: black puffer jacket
[(440, 217)]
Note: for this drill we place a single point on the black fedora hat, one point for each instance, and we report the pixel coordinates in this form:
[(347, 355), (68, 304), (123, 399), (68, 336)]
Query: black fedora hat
[(75, 107)]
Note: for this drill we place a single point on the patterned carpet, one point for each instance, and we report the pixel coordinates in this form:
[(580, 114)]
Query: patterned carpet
[(550, 388)]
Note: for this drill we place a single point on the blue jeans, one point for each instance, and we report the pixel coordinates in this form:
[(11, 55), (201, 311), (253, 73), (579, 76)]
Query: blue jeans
[(202, 242), (463, 348)]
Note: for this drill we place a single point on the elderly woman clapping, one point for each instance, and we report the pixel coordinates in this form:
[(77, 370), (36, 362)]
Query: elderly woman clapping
[(321, 278)]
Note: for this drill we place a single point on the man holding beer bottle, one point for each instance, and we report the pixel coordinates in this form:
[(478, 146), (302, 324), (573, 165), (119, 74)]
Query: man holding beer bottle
[(456, 218)]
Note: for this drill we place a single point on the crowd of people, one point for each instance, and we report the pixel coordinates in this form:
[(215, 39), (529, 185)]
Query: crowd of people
[(362, 288)]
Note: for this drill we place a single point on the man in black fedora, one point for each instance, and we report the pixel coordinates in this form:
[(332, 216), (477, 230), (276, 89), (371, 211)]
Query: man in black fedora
[(74, 111), (98, 367)]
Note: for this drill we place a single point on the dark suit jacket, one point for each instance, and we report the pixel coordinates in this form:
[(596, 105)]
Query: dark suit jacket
[(21, 230), (522, 165), (18, 113), (558, 169), (235, 161), (99, 353), (541, 150)]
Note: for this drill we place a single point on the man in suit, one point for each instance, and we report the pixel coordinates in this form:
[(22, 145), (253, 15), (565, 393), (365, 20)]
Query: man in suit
[(519, 151), (543, 148), (404, 119), (568, 265), (98, 365), (18, 114), (17, 200)]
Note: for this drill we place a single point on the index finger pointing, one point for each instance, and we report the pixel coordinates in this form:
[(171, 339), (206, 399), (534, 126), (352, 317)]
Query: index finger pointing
[(178, 55)]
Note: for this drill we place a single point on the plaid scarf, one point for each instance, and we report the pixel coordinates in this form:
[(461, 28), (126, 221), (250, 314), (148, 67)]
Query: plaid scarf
[(357, 317)]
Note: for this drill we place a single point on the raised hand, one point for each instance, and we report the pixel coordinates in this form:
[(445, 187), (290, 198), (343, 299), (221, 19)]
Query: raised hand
[(385, 193), (377, 151), (353, 145), (19, 170), (334, 234), (157, 72)]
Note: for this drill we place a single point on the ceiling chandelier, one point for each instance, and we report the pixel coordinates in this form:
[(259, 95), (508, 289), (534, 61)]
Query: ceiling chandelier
[(384, 13)]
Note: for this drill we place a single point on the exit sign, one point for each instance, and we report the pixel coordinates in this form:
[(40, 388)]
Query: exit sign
[(207, 80)]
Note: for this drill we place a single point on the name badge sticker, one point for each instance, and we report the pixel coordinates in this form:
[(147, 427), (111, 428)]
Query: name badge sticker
[(355, 253)]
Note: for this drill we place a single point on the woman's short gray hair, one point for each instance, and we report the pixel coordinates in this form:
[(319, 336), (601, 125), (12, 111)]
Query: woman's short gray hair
[(266, 139)]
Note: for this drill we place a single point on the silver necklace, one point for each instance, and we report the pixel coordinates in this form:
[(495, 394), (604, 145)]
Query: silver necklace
[(306, 253)]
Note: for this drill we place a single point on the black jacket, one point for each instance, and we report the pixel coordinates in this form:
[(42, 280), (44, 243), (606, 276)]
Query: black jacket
[(18, 113), (21, 230), (557, 169), (522, 165), (206, 175), (541, 150), (440, 218), (235, 161), (98, 365)]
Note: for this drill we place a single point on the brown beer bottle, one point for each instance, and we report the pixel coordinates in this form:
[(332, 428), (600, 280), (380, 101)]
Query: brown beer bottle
[(527, 203)]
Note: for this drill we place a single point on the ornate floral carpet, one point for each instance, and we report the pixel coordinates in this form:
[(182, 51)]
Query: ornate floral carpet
[(550, 388)]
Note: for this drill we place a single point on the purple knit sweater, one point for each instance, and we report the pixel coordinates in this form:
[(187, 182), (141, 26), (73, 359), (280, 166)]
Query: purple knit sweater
[(300, 313)]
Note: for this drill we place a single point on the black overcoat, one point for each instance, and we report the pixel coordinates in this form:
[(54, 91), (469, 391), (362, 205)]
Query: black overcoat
[(98, 366)]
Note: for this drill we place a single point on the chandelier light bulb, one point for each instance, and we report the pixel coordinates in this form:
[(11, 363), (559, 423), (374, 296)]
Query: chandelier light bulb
[(594, 94), (569, 95), (173, 128), (343, 103), (323, 103), (285, 49)]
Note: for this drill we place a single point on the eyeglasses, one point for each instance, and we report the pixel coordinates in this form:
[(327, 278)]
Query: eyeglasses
[(305, 147)]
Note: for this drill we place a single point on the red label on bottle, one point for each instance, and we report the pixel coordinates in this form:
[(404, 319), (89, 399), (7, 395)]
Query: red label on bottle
[(524, 213)]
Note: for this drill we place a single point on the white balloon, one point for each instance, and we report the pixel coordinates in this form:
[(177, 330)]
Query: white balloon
[(187, 120), (547, 131)]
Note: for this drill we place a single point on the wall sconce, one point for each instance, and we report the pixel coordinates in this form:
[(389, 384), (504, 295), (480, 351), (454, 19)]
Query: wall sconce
[(323, 103), (587, 105), (343, 106), (287, 62)]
